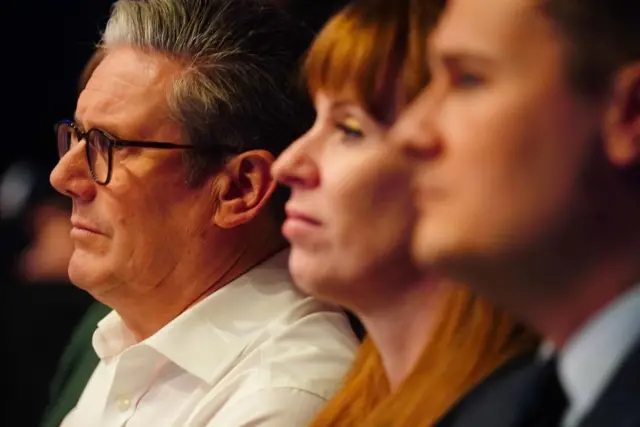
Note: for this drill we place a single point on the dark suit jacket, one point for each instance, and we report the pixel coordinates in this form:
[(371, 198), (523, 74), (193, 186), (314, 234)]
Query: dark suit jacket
[(496, 401)]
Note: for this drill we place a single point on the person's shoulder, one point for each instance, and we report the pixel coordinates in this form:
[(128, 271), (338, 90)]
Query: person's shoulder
[(273, 407), (309, 349), (315, 328), (481, 401), (312, 343)]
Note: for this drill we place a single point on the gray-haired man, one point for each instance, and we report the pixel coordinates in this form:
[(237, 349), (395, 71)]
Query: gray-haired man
[(167, 162)]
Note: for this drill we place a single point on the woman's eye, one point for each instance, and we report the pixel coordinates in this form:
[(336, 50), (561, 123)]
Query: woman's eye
[(350, 129)]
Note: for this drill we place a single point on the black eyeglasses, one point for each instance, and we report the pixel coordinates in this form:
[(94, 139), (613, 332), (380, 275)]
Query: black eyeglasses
[(99, 147)]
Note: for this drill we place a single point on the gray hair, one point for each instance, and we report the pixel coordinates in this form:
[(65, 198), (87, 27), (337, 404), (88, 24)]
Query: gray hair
[(240, 88)]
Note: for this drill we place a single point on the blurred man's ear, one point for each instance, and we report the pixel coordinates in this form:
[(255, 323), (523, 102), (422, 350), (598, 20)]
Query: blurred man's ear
[(622, 126)]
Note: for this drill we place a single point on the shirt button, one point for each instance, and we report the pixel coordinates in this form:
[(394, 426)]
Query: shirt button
[(123, 403)]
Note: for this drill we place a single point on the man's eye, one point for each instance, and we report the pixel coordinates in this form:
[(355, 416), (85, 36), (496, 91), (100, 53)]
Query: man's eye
[(467, 80)]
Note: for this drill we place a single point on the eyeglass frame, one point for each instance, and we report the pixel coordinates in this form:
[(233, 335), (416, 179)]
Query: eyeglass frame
[(113, 143)]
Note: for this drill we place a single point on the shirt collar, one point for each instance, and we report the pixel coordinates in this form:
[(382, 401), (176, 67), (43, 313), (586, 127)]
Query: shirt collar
[(112, 337), (591, 357), (216, 329)]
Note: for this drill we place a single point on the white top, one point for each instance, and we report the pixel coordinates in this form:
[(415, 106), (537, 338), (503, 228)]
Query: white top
[(255, 353), (591, 358)]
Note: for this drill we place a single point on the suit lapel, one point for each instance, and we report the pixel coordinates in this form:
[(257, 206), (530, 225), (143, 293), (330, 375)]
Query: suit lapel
[(619, 405), (496, 401)]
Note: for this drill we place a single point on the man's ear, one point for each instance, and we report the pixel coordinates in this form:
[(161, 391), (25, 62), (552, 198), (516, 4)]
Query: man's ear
[(622, 120), (243, 188)]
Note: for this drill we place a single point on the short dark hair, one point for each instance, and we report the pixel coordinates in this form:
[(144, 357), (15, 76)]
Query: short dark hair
[(602, 36), (240, 89)]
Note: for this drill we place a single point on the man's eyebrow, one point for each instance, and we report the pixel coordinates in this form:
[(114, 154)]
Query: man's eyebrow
[(461, 56), (454, 56), (77, 120)]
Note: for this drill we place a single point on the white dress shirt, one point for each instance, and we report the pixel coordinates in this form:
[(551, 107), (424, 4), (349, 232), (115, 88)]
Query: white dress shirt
[(254, 353), (590, 359)]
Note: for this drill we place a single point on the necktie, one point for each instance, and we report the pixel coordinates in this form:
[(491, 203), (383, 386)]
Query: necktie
[(547, 401)]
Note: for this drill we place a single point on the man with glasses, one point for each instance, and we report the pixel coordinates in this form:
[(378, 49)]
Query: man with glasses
[(527, 153), (167, 159)]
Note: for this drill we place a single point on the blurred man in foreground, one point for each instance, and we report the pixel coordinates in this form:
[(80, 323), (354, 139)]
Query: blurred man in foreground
[(527, 154)]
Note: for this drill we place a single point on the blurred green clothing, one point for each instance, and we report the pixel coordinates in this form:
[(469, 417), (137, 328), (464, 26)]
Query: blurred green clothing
[(76, 365)]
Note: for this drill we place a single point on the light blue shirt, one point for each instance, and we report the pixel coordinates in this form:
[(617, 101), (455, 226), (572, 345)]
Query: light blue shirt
[(592, 356)]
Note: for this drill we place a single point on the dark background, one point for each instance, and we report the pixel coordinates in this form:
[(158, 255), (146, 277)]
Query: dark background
[(44, 47), (46, 44)]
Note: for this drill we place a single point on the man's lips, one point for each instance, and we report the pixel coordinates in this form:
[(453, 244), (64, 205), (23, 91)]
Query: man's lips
[(85, 226)]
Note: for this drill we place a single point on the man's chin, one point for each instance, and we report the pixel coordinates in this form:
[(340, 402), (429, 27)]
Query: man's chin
[(86, 274)]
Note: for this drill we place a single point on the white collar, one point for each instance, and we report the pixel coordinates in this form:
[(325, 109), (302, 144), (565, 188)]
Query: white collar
[(591, 357), (215, 329)]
